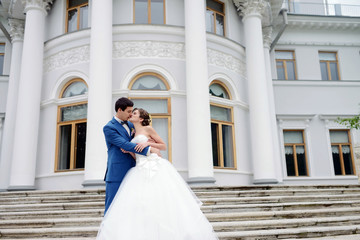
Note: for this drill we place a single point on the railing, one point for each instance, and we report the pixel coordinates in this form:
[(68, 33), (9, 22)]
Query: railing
[(322, 9)]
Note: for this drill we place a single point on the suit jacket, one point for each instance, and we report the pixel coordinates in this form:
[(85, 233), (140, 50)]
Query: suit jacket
[(119, 163)]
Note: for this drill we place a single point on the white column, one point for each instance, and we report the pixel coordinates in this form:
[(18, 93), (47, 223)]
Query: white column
[(17, 39), (22, 174), (267, 35), (100, 107), (197, 95), (260, 122)]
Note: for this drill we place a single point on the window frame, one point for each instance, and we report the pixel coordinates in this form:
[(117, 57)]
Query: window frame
[(220, 13), (284, 65), (73, 139), (149, 11), (73, 123), (328, 65), (161, 116), (2, 54), (156, 115), (294, 145), (219, 123), (341, 154), (78, 15), (219, 135)]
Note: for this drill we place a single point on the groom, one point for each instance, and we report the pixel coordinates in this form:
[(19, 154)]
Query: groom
[(118, 134)]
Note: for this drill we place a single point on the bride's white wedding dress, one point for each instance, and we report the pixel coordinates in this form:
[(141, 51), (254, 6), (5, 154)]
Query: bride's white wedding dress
[(154, 203)]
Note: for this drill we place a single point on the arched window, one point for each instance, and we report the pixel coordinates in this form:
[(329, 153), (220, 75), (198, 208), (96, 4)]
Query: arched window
[(71, 129), (222, 128), (158, 107), (216, 89)]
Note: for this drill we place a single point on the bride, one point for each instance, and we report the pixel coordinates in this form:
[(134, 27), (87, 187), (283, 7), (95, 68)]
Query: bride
[(153, 201)]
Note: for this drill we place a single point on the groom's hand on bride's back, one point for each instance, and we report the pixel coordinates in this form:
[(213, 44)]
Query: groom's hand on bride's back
[(155, 150)]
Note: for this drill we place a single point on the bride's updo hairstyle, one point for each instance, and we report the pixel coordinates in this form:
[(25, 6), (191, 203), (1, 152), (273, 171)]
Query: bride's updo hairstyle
[(144, 115)]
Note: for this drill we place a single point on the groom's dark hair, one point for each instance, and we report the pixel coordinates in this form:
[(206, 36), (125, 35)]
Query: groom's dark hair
[(123, 103)]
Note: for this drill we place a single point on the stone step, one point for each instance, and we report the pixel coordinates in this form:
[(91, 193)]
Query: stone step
[(342, 237), (55, 238), (215, 189), (8, 200), (53, 214), (50, 199), (49, 232), (285, 223), (215, 203), (213, 217), (291, 233), (278, 199), (218, 226), (262, 193), (292, 214), (50, 223), (51, 206), (205, 208), (278, 206), (273, 187), (53, 193)]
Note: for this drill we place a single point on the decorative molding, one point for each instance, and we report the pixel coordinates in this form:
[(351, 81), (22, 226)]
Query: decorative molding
[(67, 58), (294, 121), (330, 120), (140, 49), (267, 39), (249, 7), (16, 29), (135, 49), (227, 61), (143, 49), (44, 5)]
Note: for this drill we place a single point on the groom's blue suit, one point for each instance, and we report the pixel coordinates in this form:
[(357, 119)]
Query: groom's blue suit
[(119, 163)]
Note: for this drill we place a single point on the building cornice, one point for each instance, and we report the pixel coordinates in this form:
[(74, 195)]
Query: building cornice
[(313, 43), (316, 83), (296, 21)]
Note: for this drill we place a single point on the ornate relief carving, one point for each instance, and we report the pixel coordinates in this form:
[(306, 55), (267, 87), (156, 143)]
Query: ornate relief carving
[(227, 61), (16, 29), (143, 49), (148, 49), (267, 33), (67, 58), (42, 4), (246, 7)]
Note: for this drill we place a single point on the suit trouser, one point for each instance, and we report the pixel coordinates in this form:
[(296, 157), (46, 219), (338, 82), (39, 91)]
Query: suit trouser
[(110, 192)]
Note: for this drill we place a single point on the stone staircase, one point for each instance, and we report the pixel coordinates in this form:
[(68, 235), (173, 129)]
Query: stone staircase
[(238, 212)]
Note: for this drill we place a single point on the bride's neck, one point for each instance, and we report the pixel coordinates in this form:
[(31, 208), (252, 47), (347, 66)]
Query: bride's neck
[(138, 126)]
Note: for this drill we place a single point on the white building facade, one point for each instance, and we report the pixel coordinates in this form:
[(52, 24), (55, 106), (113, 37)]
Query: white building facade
[(243, 92)]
